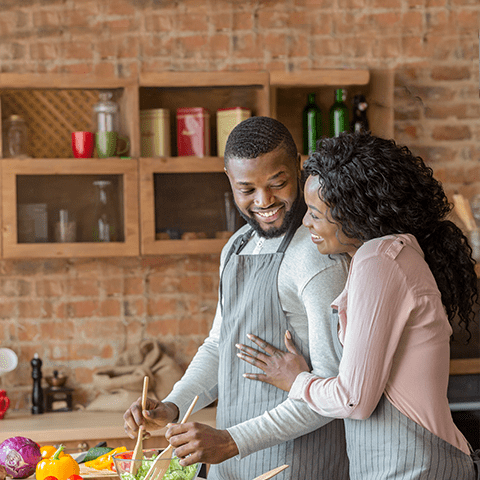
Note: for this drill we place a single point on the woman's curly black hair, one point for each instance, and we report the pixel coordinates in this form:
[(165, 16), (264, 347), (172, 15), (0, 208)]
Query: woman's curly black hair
[(375, 187)]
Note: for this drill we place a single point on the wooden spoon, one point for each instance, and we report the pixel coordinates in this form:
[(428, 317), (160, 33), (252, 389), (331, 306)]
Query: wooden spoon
[(138, 451), (160, 465), (271, 473)]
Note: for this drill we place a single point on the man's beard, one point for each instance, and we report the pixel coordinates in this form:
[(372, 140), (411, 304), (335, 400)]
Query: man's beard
[(276, 231)]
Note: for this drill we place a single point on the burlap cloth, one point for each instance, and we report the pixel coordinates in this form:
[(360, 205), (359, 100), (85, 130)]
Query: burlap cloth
[(122, 384)]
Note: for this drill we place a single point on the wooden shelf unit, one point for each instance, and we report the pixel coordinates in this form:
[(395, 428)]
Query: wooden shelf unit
[(277, 94)]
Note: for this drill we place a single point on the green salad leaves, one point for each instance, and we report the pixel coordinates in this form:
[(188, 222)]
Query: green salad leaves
[(175, 470)]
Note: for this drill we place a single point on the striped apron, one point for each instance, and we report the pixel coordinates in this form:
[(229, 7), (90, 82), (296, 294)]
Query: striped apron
[(252, 305), (389, 445)]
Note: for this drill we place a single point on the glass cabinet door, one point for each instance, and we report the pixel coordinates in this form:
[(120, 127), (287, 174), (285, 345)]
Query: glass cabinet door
[(89, 209)]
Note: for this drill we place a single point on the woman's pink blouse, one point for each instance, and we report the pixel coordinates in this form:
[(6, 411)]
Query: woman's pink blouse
[(395, 336)]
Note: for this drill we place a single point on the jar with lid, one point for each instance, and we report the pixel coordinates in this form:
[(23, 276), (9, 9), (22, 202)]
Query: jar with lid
[(106, 113), (15, 137)]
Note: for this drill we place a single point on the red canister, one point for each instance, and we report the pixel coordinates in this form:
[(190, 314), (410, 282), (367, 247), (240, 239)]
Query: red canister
[(193, 132)]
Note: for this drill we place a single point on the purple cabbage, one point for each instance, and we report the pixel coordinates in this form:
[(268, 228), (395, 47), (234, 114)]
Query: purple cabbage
[(19, 456)]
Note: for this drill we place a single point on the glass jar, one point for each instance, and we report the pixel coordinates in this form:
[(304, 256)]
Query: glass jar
[(105, 224), (15, 137), (106, 113)]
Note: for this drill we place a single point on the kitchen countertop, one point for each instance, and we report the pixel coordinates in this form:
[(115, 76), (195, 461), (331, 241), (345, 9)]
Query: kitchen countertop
[(81, 425)]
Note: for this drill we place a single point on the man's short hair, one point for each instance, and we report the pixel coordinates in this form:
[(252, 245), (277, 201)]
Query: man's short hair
[(257, 136)]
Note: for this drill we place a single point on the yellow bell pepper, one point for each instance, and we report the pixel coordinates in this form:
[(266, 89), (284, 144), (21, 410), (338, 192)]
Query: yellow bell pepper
[(58, 466), (105, 462), (47, 451)]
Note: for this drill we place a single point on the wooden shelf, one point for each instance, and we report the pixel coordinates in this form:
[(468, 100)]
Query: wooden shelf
[(465, 366), (277, 93), (315, 78)]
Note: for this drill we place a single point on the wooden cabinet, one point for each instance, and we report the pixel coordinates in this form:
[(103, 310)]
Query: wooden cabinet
[(69, 184), (183, 198), (36, 188), (166, 205), (289, 96)]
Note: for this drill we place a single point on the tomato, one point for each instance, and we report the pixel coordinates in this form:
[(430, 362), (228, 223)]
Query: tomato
[(50, 477), (74, 477)]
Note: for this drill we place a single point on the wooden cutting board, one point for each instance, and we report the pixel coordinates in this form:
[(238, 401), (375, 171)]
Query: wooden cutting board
[(88, 472)]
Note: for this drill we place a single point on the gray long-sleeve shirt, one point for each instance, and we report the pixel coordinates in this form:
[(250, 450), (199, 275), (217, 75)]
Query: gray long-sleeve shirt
[(307, 283)]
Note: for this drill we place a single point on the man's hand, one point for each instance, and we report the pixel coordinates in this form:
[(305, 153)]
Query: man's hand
[(280, 368), (195, 442), (155, 416)]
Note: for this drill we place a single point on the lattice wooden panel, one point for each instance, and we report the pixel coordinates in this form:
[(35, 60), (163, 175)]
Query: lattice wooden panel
[(51, 116)]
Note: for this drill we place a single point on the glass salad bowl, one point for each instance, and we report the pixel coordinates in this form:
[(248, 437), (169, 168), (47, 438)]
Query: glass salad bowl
[(123, 464)]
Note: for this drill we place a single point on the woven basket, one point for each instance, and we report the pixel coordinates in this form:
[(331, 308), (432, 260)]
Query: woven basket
[(51, 117)]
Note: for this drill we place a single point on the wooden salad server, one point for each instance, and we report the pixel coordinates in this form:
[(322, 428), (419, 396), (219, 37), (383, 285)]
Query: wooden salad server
[(271, 473), (159, 467), (138, 451)]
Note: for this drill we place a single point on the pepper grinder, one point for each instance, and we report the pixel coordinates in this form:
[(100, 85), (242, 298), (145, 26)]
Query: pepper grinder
[(37, 392)]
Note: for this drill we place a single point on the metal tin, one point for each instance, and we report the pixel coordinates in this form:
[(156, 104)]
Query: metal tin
[(193, 132), (227, 119), (155, 132)]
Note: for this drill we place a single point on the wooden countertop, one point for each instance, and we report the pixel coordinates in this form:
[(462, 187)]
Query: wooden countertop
[(59, 427)]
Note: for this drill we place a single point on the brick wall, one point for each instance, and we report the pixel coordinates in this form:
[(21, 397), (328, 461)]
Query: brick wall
[(81, 314)]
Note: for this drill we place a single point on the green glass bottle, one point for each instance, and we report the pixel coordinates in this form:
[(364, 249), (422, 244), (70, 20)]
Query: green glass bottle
[(312, 125), (339, 114)]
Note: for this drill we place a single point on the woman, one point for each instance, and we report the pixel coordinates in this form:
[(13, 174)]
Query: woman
[(411, 274)]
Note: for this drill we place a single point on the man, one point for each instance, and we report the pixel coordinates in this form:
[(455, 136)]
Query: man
[(272, 279)]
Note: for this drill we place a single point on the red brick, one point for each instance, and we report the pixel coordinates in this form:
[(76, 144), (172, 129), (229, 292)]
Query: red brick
[(34, 309), (105, 70), (82, 287), (190, 284), (162, 306), (133, 286), (121, 7), (110, 308), (8, 309), (451, 132), (44, 51), (315, 3), (162, 284), (158, 328), (28, 330), (219, 45), (242, 21), (79, 69), (87, 308), (412, 22), (191, 22), (221, 21), (57, 330), (246, 46), (49, 287), (46, 18), (451, 73), (160, 23)]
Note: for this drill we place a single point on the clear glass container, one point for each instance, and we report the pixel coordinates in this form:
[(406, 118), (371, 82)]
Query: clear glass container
[(105, 226), (66, 227), (15, 137), (106, 113)]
